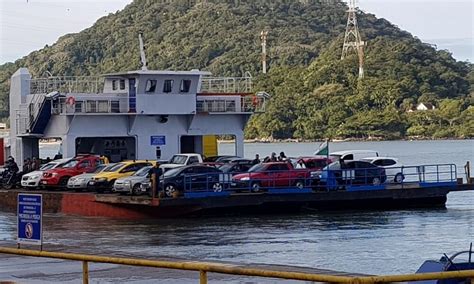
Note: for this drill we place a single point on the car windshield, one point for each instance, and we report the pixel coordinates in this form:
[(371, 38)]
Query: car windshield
[(48, 166), (99, 168), (114, 168), (178, 159), (226, 167), (257, 168), (172, 172), (70, 164), (142, 172)]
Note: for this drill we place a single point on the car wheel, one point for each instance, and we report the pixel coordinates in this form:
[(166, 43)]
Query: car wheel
[(300, 184), (376, 181), (170, 189), (255, 187), (217, 187), (399, 178), (136, 189)]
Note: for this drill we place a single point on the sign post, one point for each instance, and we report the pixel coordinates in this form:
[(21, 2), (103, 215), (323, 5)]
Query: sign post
[(30, 219)]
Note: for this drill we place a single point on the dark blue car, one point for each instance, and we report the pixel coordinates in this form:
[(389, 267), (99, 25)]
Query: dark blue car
[(191, 178), (344, 173)]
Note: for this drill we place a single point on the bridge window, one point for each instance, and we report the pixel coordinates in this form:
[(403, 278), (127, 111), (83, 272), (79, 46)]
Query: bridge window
[(185, 86), (114, 85), (122, 84), (150, 86), (168, 86)]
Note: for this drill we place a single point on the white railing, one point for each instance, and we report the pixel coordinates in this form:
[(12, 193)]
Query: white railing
[(227, 84), (91, 104), (242, 104), (67, 84)]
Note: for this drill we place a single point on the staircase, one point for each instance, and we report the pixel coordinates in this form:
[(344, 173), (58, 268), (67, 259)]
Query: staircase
[(39, 111)]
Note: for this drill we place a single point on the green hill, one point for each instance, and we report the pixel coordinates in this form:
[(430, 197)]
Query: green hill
[(314, 93)]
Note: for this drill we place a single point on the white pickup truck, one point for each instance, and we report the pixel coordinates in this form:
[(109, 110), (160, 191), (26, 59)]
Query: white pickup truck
[(180, 160)]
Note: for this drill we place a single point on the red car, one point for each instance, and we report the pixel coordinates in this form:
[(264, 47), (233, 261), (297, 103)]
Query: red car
[(275, 174), (58, 177)]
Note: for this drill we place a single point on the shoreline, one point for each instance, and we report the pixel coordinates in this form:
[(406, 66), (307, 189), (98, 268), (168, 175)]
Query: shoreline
[(266, 141)]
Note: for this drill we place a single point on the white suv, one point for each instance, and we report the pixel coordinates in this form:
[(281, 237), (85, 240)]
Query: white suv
[(393, 168)]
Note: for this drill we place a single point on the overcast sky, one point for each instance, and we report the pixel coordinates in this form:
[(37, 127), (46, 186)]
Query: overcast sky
[(28, 25)]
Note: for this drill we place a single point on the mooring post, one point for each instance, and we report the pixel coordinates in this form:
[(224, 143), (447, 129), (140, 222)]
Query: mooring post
[(467, 170), (85, 273), (202, 277)]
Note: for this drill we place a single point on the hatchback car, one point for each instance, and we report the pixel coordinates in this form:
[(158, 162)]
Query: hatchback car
[(193, 177), (80, 182), (393, 168), (132, 184), (342, 173), (106, 179)]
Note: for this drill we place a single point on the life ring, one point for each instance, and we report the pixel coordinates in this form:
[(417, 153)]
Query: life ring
[(70, 101), (254, 101)]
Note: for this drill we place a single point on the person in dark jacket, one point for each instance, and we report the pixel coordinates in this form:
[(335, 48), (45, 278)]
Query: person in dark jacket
[(256, 160), (157, 172)]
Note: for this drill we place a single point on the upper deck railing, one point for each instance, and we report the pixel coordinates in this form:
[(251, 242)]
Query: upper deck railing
[(67, 84), (95, 84), (227, 84)]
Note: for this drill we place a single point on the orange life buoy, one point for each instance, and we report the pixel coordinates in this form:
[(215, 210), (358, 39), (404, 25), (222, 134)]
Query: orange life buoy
[(255, 101), (70, 101)]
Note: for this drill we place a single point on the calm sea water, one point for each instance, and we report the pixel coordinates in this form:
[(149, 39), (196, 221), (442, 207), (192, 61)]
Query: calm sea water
[(373, 242)]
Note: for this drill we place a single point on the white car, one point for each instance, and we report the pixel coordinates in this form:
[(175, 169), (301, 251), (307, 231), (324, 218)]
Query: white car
[(393, 168), (32, 179), (80, 182)]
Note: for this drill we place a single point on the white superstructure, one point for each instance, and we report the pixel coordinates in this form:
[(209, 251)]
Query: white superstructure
[(142, 114)]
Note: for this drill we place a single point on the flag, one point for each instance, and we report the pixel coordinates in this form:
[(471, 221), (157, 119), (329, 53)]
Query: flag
[(323, 149)]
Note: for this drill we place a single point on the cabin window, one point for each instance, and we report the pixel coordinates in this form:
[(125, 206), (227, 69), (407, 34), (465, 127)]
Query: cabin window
[(122, 84), (168, 86), (150, 86), (185, 86), (114, 85)]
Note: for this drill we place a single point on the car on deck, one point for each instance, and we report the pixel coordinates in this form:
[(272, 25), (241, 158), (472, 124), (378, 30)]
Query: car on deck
[(193, 177), (393, 167), (80, 182), (59, 176), (273, 174), (105, 180), (347, 173), (32, 179), (132, 184)]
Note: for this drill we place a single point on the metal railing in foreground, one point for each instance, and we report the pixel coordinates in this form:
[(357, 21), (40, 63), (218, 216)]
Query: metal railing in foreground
[(204, 267)]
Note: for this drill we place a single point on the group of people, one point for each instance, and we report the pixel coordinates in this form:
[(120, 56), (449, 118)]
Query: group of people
[(30, 165), (272, 158)]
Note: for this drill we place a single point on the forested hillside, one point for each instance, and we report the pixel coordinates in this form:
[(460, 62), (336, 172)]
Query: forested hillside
[(314, 94)]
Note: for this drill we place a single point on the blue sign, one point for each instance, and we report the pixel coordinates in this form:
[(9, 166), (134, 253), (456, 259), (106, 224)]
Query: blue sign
[(30, 213), (158, 140)]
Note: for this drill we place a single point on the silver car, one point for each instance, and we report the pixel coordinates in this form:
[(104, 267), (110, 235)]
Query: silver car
[(80, 182), (132, 184)]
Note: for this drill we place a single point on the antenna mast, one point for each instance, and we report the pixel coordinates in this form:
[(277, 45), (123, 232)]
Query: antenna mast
[(352, 39), (263, 37), (142, 52)]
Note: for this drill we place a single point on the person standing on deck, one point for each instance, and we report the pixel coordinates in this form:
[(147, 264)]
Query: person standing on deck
[(156, 172), (256, 160)]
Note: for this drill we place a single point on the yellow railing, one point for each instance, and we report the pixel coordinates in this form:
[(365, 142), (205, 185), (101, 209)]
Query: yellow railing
[(205, 267)]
